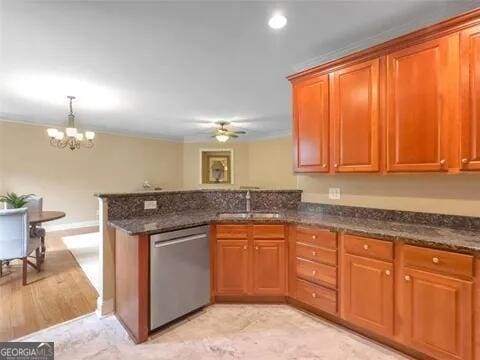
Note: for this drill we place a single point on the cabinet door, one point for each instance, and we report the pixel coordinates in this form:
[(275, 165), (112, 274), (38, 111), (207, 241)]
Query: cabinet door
[(367, 294), (418, 104), (470, 89), (232, 267), (310, 124), (437, 314), (355, 116), (269, 267)]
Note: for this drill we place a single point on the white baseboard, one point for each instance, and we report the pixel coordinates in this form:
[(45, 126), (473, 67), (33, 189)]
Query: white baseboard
[(68, 226), (104, 307)]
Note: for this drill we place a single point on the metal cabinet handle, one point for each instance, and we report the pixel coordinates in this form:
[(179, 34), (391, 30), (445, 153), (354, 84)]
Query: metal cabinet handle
[(387, 272), (365, 246), (465, 161), (244, 247), (324, 165), (336, 165), (435, 260), (407, 278), (256, 247), (314, 272), (314, 295), (314, 253), (443, 162), (314, 237)]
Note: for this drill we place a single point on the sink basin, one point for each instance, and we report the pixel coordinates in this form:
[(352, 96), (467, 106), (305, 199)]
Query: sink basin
[(246, 215), (233, 215), (265, 215)]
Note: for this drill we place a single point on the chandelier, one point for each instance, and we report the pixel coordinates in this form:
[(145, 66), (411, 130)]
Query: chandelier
[(73, 139)]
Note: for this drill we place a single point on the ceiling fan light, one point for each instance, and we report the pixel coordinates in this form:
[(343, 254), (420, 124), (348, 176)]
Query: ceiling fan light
[(222, 137)]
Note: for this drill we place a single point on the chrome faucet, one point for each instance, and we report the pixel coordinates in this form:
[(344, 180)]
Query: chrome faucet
[(247, 197)]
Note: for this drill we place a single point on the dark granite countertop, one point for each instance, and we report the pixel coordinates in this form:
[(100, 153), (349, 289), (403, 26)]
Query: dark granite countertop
[(435, 236)]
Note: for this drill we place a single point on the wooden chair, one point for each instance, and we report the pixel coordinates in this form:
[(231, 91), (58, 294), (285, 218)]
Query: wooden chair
[(16, 242)]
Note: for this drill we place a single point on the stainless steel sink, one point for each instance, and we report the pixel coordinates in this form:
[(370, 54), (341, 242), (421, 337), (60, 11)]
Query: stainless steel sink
[(246, 215), (233, 215), (272, 215)]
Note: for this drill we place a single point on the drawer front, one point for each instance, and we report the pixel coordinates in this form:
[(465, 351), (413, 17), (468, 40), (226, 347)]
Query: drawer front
[(232, 231), (318, 273), (377, 249), (316, 237), (319, 297), (438, 260), (268, 231), (321, 255)]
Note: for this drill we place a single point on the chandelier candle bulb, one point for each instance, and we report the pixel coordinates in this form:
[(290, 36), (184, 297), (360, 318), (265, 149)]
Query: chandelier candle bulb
[(52, 132), (89, 135)]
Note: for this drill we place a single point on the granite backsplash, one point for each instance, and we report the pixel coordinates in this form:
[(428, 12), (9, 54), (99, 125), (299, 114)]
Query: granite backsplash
[(410, 217), (123, 206)]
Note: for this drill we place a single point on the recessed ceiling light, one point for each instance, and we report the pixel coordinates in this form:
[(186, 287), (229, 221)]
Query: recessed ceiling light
[(277, 21)]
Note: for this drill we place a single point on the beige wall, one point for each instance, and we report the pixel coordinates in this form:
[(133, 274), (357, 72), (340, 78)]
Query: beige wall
[(68, 179), (265, 163)]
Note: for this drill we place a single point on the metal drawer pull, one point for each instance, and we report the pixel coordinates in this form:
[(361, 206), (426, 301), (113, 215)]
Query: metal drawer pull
[(443, 162), (365, 247), (407, 278), (465, 161), (387, 272), (314, 253), (314, 237), (314, 272), (244, 247), (314, 295), (436, 260), (336, 165), (324, 165), (256, 247)]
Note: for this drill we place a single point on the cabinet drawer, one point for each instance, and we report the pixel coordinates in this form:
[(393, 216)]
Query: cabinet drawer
[(232, 231), (318, 273), (377, 249), (269, 231), (438, 260), (322, 255), (317, 296), (317, 237)]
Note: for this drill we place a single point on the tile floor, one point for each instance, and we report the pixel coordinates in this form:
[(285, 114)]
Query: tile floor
[(217, 332)]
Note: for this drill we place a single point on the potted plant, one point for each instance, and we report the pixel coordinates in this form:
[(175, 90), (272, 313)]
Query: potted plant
[(15, 201)]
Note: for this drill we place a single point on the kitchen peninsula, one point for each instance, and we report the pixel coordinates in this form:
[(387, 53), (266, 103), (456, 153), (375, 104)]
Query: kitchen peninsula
[(370, 270)]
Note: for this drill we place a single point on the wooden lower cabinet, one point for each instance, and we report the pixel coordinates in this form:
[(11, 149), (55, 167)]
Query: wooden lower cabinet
[(367, 294), (269, 267), (231, 267), (256, 266), (437, 314)]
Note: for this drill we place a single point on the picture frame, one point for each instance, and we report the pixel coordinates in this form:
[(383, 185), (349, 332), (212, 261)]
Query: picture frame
[(216, 166)]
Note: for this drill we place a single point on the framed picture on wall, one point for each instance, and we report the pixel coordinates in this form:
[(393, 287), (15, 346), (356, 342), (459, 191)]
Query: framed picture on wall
[(216, 166)]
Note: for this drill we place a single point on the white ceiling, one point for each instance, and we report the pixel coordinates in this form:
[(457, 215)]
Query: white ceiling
[(168, 69)]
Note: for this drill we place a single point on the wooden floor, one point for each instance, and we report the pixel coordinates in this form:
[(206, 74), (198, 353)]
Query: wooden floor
[(60, 292)]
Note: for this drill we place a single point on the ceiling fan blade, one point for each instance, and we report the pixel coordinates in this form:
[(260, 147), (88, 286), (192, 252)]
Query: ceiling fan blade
[(239, 132)]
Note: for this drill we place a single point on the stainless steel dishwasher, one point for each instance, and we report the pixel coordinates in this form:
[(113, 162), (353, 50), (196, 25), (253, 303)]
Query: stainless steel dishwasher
[(179, 274)]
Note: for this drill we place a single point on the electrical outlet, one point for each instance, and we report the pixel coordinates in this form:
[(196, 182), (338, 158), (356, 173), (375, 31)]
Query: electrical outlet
[(334, 193), (150, 204)]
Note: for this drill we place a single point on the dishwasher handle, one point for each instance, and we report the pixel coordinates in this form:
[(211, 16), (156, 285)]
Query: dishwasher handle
[(158, 244)]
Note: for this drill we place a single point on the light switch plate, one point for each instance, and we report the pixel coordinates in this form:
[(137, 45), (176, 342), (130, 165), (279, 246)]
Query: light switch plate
[(334, 193), (150, 205)]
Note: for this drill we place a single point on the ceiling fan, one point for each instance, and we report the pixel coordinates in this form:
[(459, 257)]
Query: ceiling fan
[(222, 134)]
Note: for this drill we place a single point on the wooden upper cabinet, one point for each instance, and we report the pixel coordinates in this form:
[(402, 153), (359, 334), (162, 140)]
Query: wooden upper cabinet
[(470, 95), (367, 294), (269, 267), (419, 105), (355, 117), (437, 314), (231, 262), (311, 124)]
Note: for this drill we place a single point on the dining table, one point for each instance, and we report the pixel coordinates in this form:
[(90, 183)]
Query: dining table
[(38, 217)]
